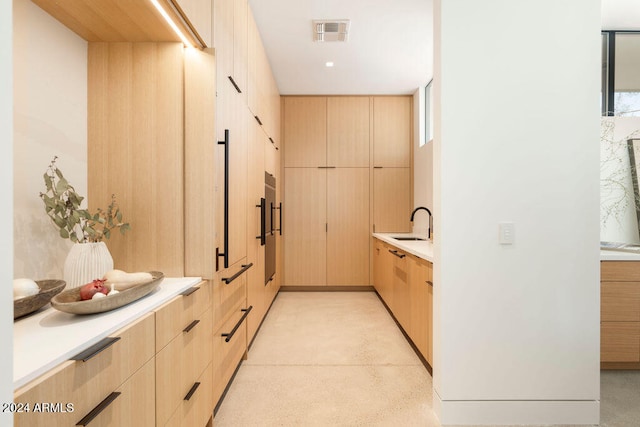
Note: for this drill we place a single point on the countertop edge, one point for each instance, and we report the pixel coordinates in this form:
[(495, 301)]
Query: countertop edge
[(421, 249), (120, 320)]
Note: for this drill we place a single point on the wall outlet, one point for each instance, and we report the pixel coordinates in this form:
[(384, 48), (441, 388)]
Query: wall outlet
[(506, 233)]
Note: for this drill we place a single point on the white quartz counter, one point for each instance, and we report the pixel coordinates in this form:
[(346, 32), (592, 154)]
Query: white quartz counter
[(609, 255), (420, 248), (43, 340)]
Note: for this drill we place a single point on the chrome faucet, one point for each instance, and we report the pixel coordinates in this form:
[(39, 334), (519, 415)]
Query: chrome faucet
[(419, 208)]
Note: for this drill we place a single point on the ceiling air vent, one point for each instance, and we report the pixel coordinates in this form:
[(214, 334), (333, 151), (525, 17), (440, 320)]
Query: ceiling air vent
[(336, 30)]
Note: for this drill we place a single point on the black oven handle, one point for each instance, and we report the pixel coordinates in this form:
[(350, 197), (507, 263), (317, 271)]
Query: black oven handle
[(263, 220)]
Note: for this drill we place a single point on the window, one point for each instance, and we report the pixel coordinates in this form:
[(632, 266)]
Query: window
[(620, 75), (428, 114)]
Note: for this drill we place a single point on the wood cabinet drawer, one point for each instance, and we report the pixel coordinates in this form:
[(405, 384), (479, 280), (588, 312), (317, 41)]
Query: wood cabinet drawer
[(228, 350), (620, 271), (180, 363), (86, 383), (198, 408), (227, 296), (175, 315), (134, 406), (620, 301), (620, 342)]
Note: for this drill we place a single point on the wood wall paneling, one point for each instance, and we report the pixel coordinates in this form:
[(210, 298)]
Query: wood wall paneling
[(135, 149), (392, 200), (392, 131)]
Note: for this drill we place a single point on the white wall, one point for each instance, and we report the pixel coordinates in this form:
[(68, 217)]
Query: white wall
[(6, 217), (517, 327), (422, 166), (50, 105)]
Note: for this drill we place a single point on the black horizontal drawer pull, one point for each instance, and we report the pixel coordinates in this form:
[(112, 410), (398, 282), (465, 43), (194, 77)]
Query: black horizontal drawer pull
[(192, 390), (191, 326), (326, 167), (95, 349), (258, 120), (229, 335), (244, 268), (96, 411), (377, 167), (272, 141), (429, 282), (189, 291), (233, 82), (397, 254)]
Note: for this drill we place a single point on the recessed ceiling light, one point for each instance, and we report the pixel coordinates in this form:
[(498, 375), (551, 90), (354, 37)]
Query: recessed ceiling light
[(329, 64)]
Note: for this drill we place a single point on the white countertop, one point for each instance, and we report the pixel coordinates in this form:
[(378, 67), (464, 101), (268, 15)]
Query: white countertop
[(610, 255), (43, 340), (420, 248)]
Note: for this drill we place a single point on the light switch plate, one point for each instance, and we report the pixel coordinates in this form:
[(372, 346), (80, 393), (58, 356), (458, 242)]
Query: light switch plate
[(506, 233)]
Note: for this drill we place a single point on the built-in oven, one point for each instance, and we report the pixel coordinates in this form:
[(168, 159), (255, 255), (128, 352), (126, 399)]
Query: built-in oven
[(268, 226)]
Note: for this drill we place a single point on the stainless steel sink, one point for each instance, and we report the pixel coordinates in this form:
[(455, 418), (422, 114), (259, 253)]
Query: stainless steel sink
[(409, 238)]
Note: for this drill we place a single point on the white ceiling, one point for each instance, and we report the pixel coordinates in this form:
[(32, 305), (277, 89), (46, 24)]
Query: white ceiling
[(389, 50), (390, 47)]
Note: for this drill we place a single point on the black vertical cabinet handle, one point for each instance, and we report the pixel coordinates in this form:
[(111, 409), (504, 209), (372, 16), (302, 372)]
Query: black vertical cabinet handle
[(98, 409), (263, 216), (280, 209), (225, 254)]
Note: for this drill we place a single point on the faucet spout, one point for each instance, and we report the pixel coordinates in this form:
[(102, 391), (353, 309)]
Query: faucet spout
[(422, 208)]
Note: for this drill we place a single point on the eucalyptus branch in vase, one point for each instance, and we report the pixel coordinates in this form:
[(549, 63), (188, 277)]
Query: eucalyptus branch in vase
[(63, 206)]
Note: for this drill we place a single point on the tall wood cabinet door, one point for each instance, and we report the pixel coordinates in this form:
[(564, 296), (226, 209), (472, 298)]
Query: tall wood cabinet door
[(199, 162), (421, 294), (348, 233), (136, 152), (392, 131), (305, 131), (255, 251), (238, 181), (392, 200), (240, 9), (223, 11), (253, 46), (348, 131), (305, 236)]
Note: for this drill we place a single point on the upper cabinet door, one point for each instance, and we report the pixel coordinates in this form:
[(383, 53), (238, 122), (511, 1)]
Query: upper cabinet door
[(240, 44), (392, 131), (305, 131), (223, 37), (348, 131), (198, 14)]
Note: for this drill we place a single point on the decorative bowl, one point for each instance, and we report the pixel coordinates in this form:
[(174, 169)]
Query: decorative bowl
[(69, 301), (27, 305)]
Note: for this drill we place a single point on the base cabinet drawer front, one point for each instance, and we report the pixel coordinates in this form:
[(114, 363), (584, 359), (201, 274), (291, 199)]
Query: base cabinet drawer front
[(173, 316), (196, 407), (227, 296), (620, 301), (86, 383), (228, 351), (134, 406), (180, 363), (620, 271), (620, 342), (401, 303), (421, 294)]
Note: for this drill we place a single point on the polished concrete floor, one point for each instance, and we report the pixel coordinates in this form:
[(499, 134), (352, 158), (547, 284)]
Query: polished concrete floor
[(338, 359)]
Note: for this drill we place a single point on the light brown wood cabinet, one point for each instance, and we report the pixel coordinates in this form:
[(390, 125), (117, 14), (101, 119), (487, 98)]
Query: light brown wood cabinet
[(392, 200), (392, 131), (620, 314), (85, 384), (405, 284), (348, 125), (230, 312), (187, 323), (305, 131)]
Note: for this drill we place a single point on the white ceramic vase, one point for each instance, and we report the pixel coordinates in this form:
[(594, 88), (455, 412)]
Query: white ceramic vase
[(86, 262)]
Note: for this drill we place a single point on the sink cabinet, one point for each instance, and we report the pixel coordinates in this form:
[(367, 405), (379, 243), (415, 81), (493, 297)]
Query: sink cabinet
[(620, 314), (405, 284)]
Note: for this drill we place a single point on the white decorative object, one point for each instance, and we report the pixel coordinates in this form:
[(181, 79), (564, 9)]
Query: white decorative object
[(86, 262)]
